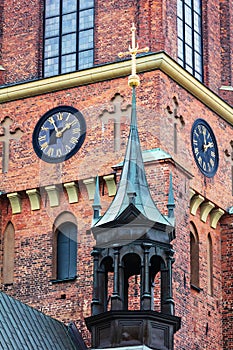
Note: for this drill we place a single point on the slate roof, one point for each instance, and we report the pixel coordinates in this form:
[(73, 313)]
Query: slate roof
[(25, 328)]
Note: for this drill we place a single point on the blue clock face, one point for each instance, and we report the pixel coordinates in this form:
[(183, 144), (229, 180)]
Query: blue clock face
[(204, 147), (59, 134)]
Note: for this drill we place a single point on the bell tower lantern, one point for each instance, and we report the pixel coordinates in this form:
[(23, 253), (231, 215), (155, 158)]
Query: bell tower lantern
[(133, 247)]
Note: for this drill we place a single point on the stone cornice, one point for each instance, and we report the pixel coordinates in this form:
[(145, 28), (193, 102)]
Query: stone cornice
[(119, 69)]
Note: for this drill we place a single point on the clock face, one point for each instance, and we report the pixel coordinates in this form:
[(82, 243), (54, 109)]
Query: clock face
[(204, 147), (59, 134)]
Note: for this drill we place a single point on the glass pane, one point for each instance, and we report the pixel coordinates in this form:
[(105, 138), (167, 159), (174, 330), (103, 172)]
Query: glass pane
[(180, 8), (68, 43), (66, 251), (69, 23), (69, 6), (86, 40), (73, 252), (51, 27), (86, 19), (197, 42), (188, 15), (85, 4), (180, 49), (51, 47), (188, 35), (198, 76), (180, 28), (52, 8), (198, 63), (51, 67), (68, 63), (181, 62), (197, 6), (85, 59), (188, 2), (62, 256), (188, 55), (189, 69), (197, 23)]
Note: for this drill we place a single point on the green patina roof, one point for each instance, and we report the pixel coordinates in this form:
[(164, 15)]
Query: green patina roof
[(150, 155), (25, 328), (133, 182)]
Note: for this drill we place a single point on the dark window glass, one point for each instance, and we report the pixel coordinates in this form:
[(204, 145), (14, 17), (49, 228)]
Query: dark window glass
[(210, 264), (68, 36), (66, 251), (194, 260), (189, 33)]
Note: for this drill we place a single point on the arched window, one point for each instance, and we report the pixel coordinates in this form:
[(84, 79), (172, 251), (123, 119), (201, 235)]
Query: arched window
[(66, 251), (210, 264), (194, 257), (8, 254), (65, 247)]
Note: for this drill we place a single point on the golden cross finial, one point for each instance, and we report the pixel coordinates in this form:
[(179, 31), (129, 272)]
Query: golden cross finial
[(133, 51)]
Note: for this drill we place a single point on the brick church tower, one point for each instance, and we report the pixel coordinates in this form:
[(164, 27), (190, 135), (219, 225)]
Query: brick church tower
[(65, 113)]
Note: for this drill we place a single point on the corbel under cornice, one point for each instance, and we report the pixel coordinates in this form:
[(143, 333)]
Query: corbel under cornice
[(90, 186), (146, 63), (72, 191), (34, 197), (206, 208), (53, 195), (16, 202), (111, 184)]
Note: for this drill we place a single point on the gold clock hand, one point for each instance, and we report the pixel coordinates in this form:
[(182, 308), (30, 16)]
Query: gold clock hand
[(59, 133), (209, 144), (53, 122)]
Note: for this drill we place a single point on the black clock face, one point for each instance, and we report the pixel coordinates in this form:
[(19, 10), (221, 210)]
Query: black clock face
[(204, 147), (59, 134)]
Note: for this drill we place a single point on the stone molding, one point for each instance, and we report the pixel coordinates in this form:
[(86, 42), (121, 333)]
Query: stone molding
[(146, 63), (53, 192)]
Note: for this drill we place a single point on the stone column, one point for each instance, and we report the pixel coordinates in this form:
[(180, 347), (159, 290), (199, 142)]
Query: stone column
[(145, 277), (95, 304), (167, 302), (116, 302)]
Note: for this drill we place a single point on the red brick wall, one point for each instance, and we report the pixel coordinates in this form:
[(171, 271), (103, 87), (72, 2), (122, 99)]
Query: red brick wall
[(21, 40), (227, 282), (22, 36), (200, 312), (226, 25)]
